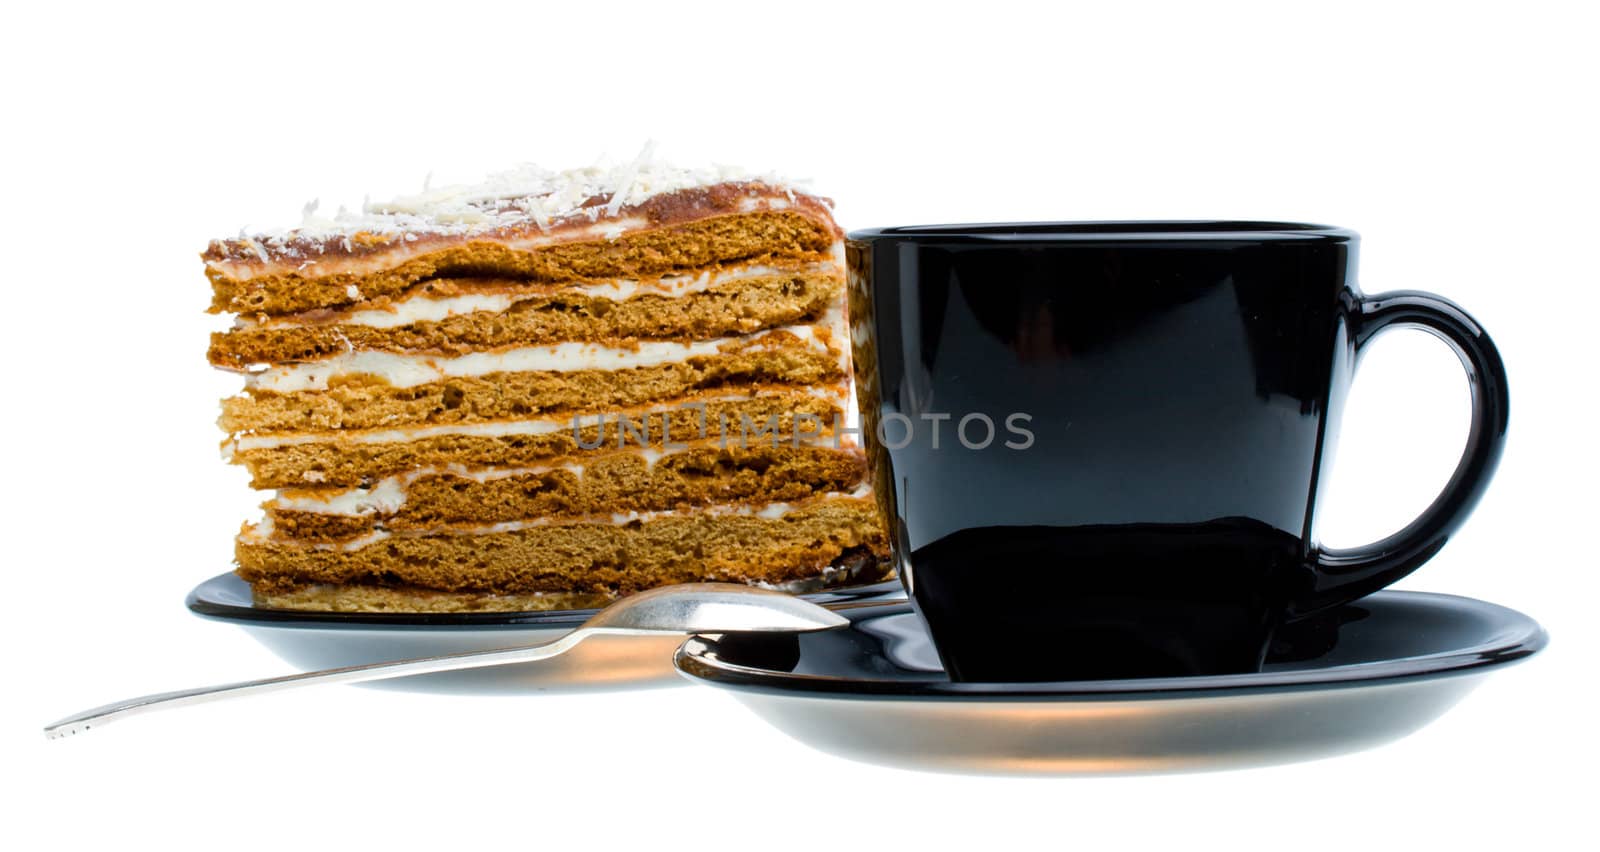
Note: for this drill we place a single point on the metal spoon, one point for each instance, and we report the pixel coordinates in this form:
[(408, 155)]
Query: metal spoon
[(684, 609)]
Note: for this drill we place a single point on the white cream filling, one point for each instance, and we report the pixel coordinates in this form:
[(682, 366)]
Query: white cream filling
[(262, 532), (837, 334), (410, 370), (493, 429), (401, 370), (387, 495), (425, 308)]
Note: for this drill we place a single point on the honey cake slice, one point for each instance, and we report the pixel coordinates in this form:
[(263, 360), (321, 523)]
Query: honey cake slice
[(548, 389)]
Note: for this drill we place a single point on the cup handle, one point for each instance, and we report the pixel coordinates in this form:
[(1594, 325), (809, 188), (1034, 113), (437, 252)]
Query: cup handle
[(1342, 575)]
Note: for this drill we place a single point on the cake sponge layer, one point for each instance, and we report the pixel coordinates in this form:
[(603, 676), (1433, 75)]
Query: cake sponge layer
[(757, 237), (612, 482), (363, 402), (359, 597), (354, 458), (732, 308), (853, 568), (608, 558)]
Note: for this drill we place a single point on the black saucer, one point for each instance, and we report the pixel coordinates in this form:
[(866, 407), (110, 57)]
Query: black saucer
[(311, 640), (1367, 673), (225, 597)]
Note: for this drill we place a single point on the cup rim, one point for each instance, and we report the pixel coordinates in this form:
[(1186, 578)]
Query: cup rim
[(1127, 231)]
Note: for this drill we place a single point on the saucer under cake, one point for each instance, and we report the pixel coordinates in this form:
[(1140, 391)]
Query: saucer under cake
[(312, 640), (1359, 676)]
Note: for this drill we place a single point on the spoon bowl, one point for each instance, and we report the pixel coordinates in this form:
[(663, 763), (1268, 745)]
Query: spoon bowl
[(713, 608)]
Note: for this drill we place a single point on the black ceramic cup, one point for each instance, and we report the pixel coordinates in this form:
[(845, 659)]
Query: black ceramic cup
[(1100, 445)]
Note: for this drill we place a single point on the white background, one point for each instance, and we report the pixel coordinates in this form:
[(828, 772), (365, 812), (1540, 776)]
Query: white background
[(1456, 138)]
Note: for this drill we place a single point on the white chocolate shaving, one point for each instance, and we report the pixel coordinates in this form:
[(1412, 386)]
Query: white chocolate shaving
[(524, 195)]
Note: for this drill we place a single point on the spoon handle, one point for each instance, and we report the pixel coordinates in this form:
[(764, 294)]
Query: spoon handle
[(100, 716)]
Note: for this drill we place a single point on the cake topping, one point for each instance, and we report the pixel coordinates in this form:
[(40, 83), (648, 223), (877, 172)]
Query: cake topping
[(523, 196)]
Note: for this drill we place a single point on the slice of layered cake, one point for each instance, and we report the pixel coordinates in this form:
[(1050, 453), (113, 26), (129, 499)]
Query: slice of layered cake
[(545, 391)]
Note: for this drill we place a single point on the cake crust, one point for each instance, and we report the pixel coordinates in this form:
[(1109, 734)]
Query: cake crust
[(502, 218)]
